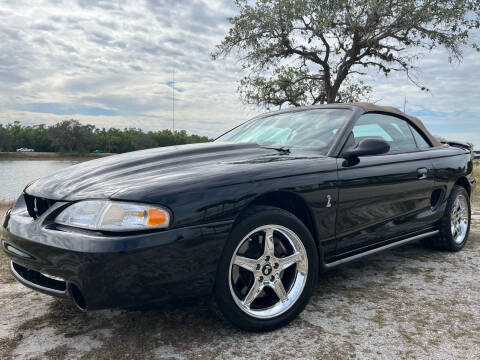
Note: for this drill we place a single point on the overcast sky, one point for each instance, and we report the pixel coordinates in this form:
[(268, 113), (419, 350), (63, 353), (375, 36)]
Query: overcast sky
[(110, 63)]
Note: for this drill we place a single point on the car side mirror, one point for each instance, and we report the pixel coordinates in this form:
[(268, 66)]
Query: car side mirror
[(368, 146)]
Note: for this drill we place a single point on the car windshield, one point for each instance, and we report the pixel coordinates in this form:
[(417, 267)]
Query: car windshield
[(312, 129)]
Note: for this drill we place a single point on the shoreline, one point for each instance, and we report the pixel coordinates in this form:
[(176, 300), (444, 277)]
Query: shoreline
[(50, 156)]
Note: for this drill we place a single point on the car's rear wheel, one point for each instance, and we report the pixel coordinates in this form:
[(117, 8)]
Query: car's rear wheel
[(268, 270), (455, 224)]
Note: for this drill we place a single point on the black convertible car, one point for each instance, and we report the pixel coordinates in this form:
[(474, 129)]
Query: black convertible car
[(251, 218)]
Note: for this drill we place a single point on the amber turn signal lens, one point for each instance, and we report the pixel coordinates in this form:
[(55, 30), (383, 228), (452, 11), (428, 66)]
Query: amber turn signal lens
[(107, 215), (156, 217)]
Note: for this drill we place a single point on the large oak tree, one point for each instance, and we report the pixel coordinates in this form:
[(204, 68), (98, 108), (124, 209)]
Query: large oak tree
[(315, 51)]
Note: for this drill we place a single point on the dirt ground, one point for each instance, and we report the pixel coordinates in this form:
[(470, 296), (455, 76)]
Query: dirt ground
[(407, 303)]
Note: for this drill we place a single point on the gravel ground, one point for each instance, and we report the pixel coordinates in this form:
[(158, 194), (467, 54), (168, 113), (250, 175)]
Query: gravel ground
[(407, 303)]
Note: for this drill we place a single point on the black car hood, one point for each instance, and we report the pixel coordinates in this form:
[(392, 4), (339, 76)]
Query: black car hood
[(133, 175)]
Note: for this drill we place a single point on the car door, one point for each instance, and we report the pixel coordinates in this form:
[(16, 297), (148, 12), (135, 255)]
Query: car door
[(383, 196)]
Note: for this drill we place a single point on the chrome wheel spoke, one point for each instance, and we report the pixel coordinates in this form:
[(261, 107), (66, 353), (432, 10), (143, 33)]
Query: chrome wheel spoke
[(289, 261), (280, 290), (269, 248), (457, 204), (246, 263), (253, 293)]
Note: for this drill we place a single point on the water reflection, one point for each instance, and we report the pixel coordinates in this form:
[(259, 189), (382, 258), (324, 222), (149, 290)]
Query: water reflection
[(15, 174)]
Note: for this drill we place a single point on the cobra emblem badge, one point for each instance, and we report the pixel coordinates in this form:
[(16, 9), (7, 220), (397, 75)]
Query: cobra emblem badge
[(329, 201)]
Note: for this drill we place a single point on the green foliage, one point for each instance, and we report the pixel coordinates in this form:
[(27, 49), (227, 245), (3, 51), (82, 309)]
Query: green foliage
[(314, 51), (70, 136)]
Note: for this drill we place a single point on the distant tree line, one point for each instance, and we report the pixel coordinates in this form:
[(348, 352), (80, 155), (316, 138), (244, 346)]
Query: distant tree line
[(70, 136)]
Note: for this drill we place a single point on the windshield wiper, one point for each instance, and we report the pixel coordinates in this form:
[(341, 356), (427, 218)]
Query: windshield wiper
[(282, 149)]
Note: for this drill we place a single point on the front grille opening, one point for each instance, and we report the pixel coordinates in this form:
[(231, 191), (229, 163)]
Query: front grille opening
[(36, 206), (38, 278)]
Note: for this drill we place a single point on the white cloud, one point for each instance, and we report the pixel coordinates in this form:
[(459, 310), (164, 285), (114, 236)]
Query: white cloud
[(119, 56), (452, 106)]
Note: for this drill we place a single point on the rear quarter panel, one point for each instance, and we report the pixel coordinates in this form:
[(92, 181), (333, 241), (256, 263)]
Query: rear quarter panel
[(449, 165)]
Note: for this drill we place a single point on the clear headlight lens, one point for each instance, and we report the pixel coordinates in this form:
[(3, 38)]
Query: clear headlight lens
[(114, 216)]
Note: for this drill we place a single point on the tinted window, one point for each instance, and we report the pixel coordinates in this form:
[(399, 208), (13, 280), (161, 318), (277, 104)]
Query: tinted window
[(301, 129), (395, 131), (421, 142)]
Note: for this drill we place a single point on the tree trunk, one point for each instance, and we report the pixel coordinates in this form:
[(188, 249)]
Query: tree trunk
[(331, 96)]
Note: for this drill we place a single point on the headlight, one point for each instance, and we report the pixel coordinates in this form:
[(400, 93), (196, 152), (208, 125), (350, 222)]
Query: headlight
[(114, 216)]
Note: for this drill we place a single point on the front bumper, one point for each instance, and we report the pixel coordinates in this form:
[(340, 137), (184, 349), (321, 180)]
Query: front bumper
[(103, 271)]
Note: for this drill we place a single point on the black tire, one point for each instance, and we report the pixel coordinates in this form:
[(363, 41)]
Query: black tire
[(254, 218), (445, 239)]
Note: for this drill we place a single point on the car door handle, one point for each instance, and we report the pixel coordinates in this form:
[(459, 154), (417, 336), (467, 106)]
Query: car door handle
[(422, 173)]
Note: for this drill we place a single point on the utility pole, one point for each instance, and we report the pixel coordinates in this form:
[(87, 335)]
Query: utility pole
[(404, 103), (173, 101)]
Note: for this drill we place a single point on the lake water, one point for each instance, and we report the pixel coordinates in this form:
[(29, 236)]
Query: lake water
[(15, 174)]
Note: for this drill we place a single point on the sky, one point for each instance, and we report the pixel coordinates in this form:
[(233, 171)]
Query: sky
[(111, 64)]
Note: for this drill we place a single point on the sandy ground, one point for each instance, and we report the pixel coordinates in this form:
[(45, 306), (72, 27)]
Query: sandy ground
[(407, 303)]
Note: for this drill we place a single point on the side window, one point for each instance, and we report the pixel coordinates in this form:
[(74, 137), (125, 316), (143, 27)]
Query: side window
[(395, 131), (421, 142), (370, 130)]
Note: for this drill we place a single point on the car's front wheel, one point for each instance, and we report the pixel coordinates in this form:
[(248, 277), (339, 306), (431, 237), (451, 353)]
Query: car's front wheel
[(268, 270)]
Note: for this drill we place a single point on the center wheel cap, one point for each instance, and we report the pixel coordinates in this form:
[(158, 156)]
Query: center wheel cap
[(267, 270)]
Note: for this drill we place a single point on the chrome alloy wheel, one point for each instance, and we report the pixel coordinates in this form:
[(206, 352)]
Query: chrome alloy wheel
[(459, 219), (268, 271)]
